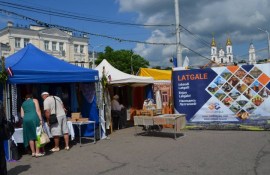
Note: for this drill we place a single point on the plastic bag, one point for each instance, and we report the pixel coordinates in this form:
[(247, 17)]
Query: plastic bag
[(38, 130), (42, 137)]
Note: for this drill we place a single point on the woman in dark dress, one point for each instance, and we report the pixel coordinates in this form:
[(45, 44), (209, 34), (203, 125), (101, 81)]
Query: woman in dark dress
[(30, 112)]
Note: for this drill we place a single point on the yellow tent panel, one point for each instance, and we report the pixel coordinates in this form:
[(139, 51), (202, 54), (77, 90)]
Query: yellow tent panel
[(156, 73)]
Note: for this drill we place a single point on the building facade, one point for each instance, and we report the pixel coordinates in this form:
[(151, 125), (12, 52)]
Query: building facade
[(61, 44), (220, 56), (251, 54)]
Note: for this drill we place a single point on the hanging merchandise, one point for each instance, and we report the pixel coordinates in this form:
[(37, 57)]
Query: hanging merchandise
[(14, 102), (158, 100), (88, 91)]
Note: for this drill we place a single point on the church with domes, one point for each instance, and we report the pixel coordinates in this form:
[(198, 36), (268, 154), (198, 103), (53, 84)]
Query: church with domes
[(220, 56)]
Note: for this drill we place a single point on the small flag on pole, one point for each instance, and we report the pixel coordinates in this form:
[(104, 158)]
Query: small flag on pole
[(110, 78), (9, 71), (174, 62)]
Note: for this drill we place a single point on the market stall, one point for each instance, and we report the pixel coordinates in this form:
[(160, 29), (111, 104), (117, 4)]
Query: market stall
[(33, 70), (132, 89), (162, 87)]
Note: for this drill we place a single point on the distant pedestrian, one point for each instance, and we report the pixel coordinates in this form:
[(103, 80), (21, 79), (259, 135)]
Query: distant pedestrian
[(52, 104)]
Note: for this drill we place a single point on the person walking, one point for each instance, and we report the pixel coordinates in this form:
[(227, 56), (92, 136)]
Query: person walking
[(31, 114), (3, 164), (54, 105)]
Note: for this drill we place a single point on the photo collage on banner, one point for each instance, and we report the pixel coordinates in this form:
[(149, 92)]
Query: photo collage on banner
[(237, 94)]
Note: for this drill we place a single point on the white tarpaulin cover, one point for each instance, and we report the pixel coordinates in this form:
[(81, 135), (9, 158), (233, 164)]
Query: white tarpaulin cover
[(116, 76)]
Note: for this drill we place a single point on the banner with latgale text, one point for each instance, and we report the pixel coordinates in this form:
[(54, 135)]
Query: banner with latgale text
[(223, 94)]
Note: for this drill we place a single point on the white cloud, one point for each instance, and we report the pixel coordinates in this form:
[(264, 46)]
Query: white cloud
[(236, 18)]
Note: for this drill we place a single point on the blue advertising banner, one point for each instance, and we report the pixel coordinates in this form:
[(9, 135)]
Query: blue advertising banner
[(223, 94)]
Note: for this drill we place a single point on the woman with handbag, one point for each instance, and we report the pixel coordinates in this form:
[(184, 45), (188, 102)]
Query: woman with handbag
[(30, 112), (56, 118)]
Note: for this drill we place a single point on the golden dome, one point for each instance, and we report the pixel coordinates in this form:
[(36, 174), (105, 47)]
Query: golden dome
[(229, 42), (213, 44)]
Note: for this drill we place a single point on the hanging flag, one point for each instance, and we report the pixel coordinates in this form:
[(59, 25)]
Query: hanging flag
[(9, 71), (174, 62), (110, 78), (186, 62)]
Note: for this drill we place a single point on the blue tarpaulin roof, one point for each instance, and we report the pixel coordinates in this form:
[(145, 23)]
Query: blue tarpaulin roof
[(31, 65)]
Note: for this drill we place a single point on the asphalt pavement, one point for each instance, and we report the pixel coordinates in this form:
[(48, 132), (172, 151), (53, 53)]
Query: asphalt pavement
[(193, 152)]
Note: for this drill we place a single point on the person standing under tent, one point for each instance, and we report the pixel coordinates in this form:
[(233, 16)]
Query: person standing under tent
[(119, 108), (31, 114), (3, 163), (61, 127)]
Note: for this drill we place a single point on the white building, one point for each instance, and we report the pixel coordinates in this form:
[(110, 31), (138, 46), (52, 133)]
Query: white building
[(252, 55), (222, 57), (61, 44)]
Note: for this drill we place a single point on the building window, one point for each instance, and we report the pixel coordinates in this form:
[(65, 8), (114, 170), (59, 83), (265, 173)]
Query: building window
[(46, 45), (82, 64), (164, 97), (81, 48), (17, 42), (61, 46), (76, 48), (25, 42), (54, 46)]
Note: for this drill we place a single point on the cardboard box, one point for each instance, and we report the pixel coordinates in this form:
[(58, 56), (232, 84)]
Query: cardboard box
[(75, 115)]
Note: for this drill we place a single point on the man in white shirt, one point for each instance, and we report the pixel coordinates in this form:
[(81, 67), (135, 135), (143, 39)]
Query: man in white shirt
[(61, 127)]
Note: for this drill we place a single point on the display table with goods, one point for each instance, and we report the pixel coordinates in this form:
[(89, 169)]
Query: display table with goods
[(18, 134), (178, 121), (77, 120), (149, 109)]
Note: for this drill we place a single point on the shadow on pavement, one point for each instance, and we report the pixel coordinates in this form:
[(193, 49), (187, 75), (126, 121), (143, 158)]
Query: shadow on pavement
[(19, 169), (161, 134)]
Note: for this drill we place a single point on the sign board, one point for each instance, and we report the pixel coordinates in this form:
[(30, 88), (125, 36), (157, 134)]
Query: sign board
[(223, 94)]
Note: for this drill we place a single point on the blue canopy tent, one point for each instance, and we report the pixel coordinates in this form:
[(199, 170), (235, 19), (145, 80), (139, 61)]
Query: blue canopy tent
[(30, 65)]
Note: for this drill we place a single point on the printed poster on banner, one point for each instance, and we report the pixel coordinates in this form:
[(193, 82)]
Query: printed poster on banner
[(223, 94)]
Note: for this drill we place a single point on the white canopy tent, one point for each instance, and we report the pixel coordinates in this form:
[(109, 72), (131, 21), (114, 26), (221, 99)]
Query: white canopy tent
[(117, 77)]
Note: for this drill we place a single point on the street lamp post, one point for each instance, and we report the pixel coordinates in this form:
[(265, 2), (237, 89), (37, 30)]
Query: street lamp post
[(268, 39), (93, 55), (131, 66)]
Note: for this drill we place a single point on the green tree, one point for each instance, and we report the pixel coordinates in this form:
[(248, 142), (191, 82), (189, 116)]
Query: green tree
[(124, 60)]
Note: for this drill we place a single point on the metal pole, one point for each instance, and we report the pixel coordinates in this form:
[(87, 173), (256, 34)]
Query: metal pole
[(268, 40), (178, 39), (93, 55), (268, 44), (131, 66), (93, 59)]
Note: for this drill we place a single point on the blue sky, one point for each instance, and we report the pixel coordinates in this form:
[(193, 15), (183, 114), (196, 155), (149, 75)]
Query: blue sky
[(235, 18)]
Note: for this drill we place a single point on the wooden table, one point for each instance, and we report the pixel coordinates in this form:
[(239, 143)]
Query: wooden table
[(177, 120)]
